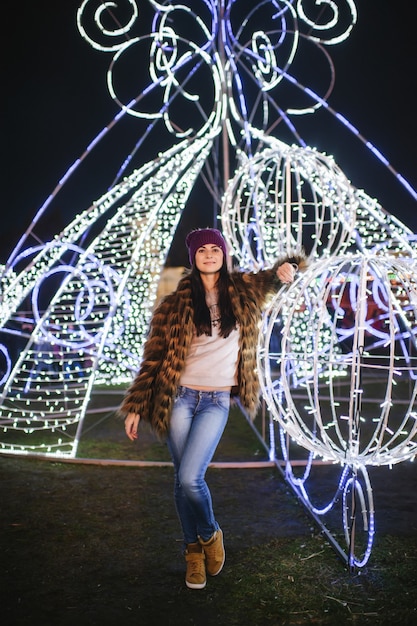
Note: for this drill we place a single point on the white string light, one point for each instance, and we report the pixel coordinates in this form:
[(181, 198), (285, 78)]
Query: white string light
[(91, 327), (88, 293)]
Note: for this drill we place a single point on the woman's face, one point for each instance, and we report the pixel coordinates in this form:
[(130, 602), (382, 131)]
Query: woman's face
[(209, 259)]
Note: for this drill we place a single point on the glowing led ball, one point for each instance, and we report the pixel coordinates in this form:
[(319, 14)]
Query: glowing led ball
[(288, 198), (338, 359)]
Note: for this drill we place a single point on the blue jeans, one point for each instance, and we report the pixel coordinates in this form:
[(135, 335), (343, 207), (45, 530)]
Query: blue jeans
[(197, 423)]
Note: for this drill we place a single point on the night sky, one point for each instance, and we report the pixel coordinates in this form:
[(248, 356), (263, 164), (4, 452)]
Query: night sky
[(55, 101)]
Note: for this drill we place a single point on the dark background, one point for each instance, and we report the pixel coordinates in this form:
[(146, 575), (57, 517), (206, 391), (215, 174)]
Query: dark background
[(55, 101)]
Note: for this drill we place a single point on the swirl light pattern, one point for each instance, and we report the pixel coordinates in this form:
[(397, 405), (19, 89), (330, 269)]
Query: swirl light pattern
[(90, 301), (209, 85), (74, 309), (218, 41)]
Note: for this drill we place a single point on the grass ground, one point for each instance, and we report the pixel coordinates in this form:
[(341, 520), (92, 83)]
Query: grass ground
[(100, 544)]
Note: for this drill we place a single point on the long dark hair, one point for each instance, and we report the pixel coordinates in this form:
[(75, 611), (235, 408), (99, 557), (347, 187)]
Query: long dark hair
[(202, 318)]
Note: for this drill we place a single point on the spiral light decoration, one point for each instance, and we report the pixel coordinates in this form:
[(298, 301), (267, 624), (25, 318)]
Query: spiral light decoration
[(216, 78)]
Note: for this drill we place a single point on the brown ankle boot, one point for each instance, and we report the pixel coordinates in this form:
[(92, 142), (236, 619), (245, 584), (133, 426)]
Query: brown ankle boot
[(214, 553), (195, 578)]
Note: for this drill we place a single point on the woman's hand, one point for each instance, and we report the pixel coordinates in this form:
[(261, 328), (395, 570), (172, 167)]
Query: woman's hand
[(286, 272), (131, 425)]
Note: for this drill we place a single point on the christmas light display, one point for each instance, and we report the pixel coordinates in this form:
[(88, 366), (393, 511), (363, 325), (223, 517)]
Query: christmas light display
[(369, 305), (90, 304), (284, 199), (219, 79), (342, 380)]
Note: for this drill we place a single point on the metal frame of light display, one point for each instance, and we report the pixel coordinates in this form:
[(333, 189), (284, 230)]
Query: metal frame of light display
[(221, 82)]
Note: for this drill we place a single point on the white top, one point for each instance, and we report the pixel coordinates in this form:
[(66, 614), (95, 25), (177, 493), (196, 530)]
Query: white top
[(212, 360)]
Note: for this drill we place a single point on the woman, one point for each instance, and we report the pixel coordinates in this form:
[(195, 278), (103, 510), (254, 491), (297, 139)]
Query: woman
[(201, 346)]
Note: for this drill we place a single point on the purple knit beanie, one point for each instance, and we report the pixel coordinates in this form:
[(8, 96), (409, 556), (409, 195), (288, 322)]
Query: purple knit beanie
[(197, 238)]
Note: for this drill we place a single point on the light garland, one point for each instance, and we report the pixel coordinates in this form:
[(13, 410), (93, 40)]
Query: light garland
[(343, 382), (85, 297), (287, 199), (363, 424), (90, 329)]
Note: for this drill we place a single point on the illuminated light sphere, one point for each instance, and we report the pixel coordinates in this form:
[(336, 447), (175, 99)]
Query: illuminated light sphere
[(288, 198), (338, 360)]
